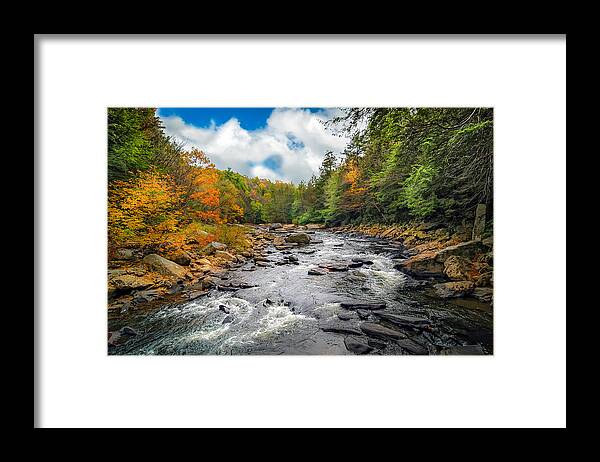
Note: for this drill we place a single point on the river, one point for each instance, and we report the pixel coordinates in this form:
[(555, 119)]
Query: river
[(288, 311)]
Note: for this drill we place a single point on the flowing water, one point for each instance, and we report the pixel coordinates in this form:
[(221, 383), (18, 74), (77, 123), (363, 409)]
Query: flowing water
[(287, 309)]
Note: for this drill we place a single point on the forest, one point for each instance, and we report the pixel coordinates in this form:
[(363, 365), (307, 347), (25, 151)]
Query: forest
[(402, 165)]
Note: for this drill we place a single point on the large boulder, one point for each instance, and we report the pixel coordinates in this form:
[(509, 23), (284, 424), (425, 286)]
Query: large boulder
[(181, 257), (465, 249), (457, 268), (211, 248), (163, 266), (298, 238), (357, 345), (454, 289), (432, 263), (422, 265)]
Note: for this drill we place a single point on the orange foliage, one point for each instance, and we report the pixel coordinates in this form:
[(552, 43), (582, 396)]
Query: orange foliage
[(352, 198), (143, 210)]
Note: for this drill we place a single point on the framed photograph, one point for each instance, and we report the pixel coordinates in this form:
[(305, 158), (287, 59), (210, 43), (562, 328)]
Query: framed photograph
[(273, 232)]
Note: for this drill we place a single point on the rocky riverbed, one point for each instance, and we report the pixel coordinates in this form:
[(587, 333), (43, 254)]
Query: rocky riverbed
[(306, 290)]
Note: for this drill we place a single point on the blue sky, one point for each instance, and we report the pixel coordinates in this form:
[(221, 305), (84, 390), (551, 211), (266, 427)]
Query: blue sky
[(250, 118), (276, 143)]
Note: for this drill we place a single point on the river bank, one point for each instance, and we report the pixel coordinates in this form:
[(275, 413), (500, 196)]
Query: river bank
[(298, 275)]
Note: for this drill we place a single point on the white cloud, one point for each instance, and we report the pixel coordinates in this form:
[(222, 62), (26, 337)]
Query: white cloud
[(294, 138)]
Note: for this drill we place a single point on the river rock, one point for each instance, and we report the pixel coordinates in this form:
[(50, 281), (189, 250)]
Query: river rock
[(363, 314), (412, 347), (422, 265), (128, 282), (378, 331), (163, 266), (346, 316), (196, 294), (431, 263), (484, 280), (364, 261), (224, 255), (227, 319), (339, 328), (334, 266), (363, 306), (298, 238), (357, 345), (224, 309), (356, 264), (212, 247), (484, 294), (404, 321), (275, 226), (463, 350), (181, 257), (465, 249), (125, 254), (454, 289), (457, 268), (317, 272)]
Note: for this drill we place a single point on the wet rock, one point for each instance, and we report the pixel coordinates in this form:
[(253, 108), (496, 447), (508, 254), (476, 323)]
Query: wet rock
[(404, 321), (378, 331), (363, 261), (340, 328), (363, 306), (212, 247), (116, 338), (484, 294), (163, 266), (227, 319), (196, 294), (363, 314), (292, 258), (334, 266), (454, 289), (463, 350), (376, 343), (317, 272), (208, 282), (275, 226), (146, 296), (298, 238), (224, 309), (412, 347), (128, 331), (357, 345), (457, 268), (263, 264), (357, 264), (346, 316)]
